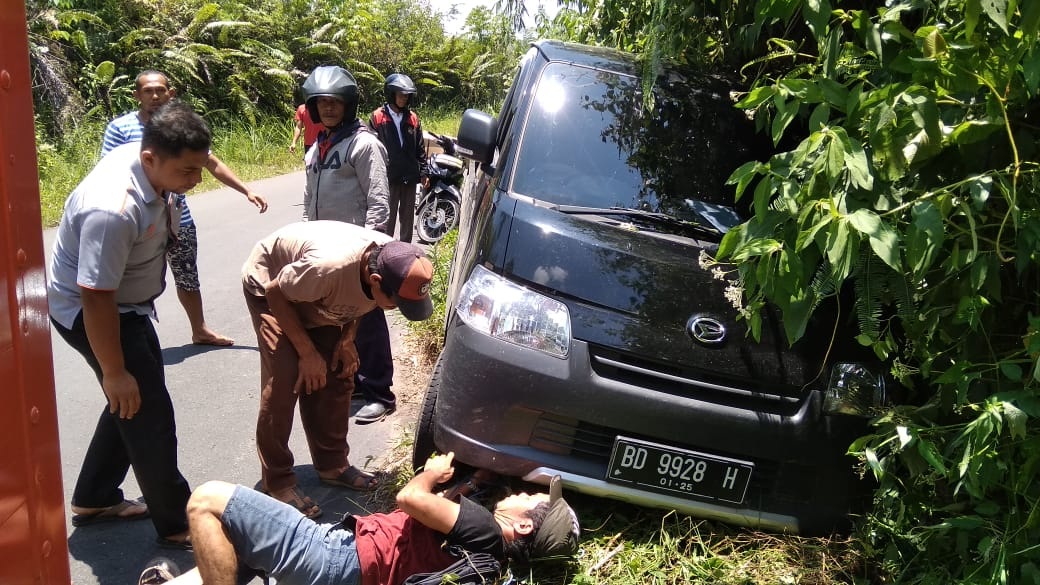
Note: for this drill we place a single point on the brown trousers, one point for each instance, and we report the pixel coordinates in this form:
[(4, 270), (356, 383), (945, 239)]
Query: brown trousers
[(324, 413)]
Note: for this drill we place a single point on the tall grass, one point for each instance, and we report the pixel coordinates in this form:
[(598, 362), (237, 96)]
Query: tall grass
[(626, 545), (64, 164), (251, 151), (429, 334), (444, 119)]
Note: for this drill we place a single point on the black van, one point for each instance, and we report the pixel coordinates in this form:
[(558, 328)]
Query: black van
[(588, 335)]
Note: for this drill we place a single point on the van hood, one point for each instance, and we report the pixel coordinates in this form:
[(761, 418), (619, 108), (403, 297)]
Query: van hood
[(642, 295)]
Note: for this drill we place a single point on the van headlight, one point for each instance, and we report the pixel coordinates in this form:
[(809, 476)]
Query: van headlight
[(496, 307), (853, 389)]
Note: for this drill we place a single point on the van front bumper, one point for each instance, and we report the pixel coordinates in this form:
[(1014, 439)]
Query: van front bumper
[(523, 413)]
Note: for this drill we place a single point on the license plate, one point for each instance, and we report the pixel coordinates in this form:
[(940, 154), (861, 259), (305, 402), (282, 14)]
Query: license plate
[(675, 471)]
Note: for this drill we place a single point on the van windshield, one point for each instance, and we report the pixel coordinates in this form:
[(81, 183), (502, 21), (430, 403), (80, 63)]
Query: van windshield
[(589, 142)]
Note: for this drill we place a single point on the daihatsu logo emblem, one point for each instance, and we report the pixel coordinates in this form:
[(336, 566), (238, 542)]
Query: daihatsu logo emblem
[(706, 330)]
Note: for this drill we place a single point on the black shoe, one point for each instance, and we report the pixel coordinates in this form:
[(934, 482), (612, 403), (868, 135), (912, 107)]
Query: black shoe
[(373, 412), (159, 571)]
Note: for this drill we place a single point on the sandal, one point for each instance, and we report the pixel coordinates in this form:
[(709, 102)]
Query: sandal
[(110, 513), (353, 478), (159, 571), (302, 503)]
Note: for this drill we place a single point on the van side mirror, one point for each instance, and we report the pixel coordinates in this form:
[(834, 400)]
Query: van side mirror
[(476, 139)]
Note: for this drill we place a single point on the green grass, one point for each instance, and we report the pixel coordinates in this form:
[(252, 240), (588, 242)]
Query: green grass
[(251, 151), (64, 164), (442, 119), (623, 544), (429, 334)]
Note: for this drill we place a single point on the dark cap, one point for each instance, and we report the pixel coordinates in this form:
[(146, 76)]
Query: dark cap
[(557, 536), (407, 271)]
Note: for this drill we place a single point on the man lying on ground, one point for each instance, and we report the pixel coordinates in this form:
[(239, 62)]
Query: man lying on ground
[(238, 532)]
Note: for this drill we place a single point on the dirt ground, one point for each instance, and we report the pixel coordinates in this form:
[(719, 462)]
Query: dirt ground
[(411, 375)]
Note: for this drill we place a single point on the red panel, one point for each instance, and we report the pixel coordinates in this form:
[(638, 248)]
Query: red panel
[(33, 548)]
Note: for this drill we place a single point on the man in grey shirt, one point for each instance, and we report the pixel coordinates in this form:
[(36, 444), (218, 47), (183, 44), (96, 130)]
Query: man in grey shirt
[(108, 266)]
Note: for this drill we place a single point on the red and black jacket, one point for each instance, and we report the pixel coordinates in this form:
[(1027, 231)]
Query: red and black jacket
[(406, 162)]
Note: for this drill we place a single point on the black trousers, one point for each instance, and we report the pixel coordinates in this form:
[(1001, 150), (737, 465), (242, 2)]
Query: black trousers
[(147, 442), (375, 373), (402, 204)]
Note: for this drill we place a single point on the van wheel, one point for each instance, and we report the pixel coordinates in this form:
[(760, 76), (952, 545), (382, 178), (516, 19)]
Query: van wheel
[(422, 443)]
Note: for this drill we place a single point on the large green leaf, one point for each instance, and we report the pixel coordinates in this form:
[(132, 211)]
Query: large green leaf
[(1030, 21), (925, 236), (756, 248), (934, 45), (856, 161), (997, 11), (835, 160), (744, 174), (785, 112), (807, 235), (817, 13), (1031, 65), (757, 96), (839, 249), (971, 131), (105, 72), (972, 12), (883, 239)]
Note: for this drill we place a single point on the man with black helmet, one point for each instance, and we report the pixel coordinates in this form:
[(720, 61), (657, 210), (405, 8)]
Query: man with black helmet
[(346, 173), (347, 181), (399, 129)]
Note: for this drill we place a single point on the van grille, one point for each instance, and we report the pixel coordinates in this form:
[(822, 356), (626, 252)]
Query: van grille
[(683, 381), (775, 481)]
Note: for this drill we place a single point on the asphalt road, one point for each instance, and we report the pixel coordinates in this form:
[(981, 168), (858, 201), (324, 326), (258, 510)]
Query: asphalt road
[(215, 390)]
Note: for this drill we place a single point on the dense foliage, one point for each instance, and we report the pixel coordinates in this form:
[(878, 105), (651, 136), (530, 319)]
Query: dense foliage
[(237, 60), (905, 184), (913, 186)]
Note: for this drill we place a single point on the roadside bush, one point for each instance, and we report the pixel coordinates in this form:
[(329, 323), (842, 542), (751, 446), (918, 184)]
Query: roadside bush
[(429, 334), (916, 188)]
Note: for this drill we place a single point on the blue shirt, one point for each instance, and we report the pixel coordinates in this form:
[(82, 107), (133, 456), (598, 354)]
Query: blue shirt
[(123, 130), (126, 129)]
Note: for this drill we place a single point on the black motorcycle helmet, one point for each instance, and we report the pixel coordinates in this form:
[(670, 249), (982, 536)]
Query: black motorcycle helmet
[(332, 81), (398, 83)]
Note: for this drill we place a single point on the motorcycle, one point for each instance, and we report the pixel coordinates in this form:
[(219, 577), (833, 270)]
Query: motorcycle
[(438, 205)]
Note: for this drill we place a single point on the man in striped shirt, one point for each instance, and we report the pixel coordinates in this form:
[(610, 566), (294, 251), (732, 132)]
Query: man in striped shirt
[(152, 90)]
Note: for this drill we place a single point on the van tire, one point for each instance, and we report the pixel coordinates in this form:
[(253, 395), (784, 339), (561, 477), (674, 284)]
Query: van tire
[(422, 442)]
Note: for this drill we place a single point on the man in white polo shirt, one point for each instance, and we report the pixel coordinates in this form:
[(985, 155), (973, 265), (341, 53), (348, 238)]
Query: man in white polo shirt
[(108, 266)]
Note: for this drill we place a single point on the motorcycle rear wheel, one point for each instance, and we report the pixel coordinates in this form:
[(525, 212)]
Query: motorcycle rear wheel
[(436, 218)]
